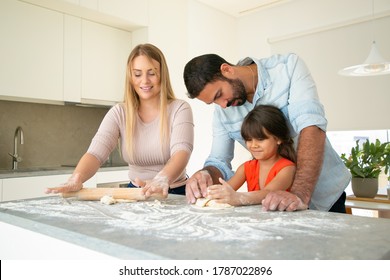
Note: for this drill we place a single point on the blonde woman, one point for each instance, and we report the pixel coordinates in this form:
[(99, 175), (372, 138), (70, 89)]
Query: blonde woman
[(155, 130)]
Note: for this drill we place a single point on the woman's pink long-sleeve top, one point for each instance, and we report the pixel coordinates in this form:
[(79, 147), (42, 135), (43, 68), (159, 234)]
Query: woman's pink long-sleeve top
[(150, 157)]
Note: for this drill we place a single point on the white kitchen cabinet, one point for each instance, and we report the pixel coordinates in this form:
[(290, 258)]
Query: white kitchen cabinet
[(1, 189), (51, 57), (112, 177), (128, 14), (72, 59), (31, 51), (95, 62), (104, 53), (32, 187)]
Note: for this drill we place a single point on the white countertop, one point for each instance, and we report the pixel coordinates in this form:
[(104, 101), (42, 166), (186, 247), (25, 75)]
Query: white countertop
[(172, 229)]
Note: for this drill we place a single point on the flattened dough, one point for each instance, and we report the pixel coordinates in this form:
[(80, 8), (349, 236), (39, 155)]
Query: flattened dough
[(210, 203), (202, 202), (213, 204), (110, 200)]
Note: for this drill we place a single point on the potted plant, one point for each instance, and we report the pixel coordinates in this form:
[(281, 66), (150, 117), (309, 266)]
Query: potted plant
[(366, 162), (387, 169)]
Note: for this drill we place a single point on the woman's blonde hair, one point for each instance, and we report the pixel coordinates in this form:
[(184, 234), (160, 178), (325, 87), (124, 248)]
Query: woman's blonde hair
[(131, 99)]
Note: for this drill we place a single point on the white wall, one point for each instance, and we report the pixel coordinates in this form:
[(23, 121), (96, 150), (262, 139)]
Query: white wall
[(184, 29), (209, 31), (352, 103), (167, 30), (297, 16), (329, 35)]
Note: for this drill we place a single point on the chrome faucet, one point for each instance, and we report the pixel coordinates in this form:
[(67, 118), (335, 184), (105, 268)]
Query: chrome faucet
[(15, 156)]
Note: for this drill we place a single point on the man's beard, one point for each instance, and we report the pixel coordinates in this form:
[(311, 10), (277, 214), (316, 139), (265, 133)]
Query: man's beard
[(239, 93)]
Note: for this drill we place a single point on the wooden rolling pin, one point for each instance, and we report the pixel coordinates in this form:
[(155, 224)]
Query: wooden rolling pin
[(116, 193)]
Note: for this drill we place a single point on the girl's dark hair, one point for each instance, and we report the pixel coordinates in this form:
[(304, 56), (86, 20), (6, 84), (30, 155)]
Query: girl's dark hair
[(265, 121)]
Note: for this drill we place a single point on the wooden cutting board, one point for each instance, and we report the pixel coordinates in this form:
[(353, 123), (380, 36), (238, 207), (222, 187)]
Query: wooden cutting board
[(116, 193)]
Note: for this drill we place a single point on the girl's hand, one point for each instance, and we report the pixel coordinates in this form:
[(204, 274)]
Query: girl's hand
[(223, 193), (72, 185)]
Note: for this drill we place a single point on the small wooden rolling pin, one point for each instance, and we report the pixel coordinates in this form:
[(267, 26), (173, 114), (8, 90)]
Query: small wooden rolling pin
[(116, 193)]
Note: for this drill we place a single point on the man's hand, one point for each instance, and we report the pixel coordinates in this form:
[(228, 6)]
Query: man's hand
[(196, 186), (282, 201)]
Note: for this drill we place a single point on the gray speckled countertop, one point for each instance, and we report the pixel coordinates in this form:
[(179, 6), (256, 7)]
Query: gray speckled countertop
[(172, 229)]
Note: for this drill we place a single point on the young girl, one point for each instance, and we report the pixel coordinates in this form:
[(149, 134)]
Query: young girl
[(267, 137)]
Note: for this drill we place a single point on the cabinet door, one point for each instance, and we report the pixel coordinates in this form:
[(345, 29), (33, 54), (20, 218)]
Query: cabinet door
[(72, 59), (104, 57), (1, 189), (103, 177), (31, 51), (32, 187)]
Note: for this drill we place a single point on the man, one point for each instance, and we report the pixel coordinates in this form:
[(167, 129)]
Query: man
[(285, 82)]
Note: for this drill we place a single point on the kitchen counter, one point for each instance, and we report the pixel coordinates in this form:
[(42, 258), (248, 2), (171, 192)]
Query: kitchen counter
[(172, 229), (43, 171), (380, 203)]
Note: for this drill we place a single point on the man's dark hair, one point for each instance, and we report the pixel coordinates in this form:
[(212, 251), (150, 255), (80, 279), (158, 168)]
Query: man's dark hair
[(202, 70)]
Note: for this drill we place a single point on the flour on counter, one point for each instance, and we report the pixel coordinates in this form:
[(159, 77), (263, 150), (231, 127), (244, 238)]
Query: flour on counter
[(171, 219)]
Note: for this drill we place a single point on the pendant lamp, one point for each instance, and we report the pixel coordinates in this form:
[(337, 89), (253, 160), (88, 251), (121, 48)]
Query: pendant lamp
[(374, 64)]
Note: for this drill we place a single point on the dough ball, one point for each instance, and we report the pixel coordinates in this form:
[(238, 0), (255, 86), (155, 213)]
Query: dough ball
[(107, 200)]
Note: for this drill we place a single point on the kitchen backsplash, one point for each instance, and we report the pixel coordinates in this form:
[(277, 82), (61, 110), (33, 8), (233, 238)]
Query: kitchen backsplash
[(54, 135)]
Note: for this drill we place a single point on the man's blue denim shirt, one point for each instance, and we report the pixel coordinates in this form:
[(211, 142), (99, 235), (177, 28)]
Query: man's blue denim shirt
[(285, 82)]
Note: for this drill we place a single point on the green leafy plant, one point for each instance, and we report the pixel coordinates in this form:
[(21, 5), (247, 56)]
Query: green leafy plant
[(369, 159)]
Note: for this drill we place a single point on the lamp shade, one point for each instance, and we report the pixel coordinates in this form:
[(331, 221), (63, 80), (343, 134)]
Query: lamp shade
[(374, 65)]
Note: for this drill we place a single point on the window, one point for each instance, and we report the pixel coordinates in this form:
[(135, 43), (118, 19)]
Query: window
[(343, 141)]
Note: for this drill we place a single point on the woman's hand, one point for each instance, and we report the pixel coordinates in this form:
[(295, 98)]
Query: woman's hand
[(158, 184), (72, 185)]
